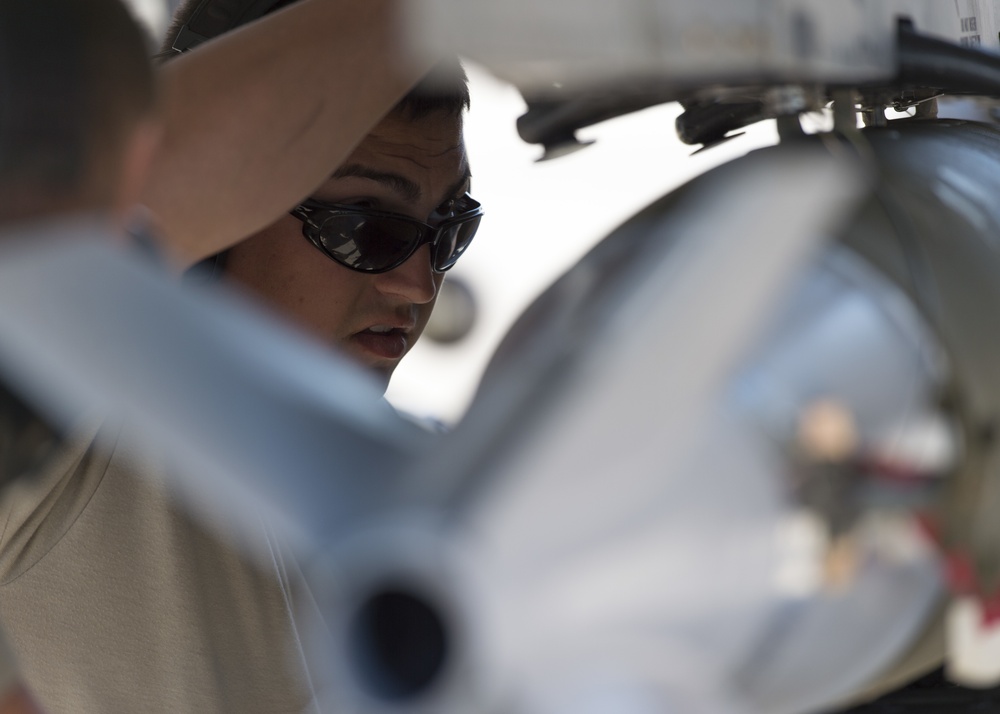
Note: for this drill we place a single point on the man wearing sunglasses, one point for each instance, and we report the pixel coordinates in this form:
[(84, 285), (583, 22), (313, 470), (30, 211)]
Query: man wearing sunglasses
[(358, 262), (113, 597)]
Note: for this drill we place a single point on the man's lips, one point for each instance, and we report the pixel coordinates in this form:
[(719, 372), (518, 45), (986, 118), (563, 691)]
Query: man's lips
[(390, 344)]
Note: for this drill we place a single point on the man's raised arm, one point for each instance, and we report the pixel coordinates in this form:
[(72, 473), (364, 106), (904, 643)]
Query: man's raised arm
[(259, 117)]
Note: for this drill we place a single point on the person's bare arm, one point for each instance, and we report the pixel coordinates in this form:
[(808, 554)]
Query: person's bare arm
[(257, 118), (17, 700)]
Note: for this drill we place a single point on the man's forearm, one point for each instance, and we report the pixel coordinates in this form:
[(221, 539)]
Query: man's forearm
[(258, 118)]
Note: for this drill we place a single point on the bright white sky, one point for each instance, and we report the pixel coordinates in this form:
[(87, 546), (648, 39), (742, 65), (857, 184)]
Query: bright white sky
[(541, 218)]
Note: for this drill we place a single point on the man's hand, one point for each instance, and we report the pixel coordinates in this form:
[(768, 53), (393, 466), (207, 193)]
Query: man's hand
[(17, 700)]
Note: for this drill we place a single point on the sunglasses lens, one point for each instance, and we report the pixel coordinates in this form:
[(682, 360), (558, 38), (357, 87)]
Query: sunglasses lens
[(367, 243), (453, 242), (375, 242)]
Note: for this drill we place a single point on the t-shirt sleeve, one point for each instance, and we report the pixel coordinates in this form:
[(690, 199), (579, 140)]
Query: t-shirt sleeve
[(37, 509)]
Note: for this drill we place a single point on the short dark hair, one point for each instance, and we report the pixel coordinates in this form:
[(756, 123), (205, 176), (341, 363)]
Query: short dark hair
[(444, 89), (75, 76)]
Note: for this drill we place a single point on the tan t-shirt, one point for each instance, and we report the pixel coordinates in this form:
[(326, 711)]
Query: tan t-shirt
[(115, 600)]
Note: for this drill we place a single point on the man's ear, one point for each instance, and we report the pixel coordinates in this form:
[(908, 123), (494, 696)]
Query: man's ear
[(138, 151)]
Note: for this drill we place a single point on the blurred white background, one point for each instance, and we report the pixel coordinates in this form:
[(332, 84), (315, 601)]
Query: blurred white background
[(155, 14)]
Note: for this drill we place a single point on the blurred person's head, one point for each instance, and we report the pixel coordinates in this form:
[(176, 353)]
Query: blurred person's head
[(76, 108), (412, 165)]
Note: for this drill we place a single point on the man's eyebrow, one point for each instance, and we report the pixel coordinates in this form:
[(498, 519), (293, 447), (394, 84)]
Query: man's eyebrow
[(395, 182), (462, 186)]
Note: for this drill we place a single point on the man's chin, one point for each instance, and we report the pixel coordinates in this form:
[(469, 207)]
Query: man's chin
[(380, 369), (382, 374)]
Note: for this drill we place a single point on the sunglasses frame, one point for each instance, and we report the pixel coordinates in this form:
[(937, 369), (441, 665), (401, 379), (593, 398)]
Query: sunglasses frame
[(314, 214)]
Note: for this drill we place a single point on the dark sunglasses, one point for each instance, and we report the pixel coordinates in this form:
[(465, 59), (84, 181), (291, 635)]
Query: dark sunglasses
[(376, 241)]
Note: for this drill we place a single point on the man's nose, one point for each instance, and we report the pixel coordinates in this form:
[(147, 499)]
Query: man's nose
[(414, 280)]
